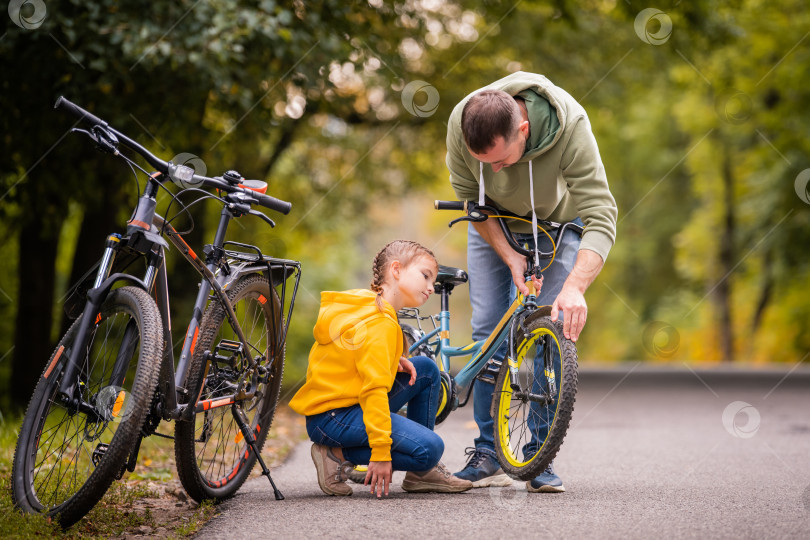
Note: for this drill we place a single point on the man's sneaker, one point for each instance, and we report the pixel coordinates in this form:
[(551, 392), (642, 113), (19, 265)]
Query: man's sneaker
[(546, 482), (482, 469), (331, 471), (436, 480)]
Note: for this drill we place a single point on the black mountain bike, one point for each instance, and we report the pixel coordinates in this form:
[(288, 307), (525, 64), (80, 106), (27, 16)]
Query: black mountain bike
[(112, 378)]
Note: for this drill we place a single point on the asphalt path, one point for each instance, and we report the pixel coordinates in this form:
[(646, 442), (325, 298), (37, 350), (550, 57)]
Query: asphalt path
[(650, 453)]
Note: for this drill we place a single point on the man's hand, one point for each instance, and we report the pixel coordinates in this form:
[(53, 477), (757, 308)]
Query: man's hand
[(571, 300), (517, 265), (379, 476), (572, 303), (406, 366)]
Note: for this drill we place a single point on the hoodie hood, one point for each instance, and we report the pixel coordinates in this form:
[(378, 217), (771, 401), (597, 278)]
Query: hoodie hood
[(343, 316)]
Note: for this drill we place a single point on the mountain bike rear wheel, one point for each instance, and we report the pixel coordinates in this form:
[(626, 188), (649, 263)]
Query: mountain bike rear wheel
[(213, 459), (532, 417), (67, 456)]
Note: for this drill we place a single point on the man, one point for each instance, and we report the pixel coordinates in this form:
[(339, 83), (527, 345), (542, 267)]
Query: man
[(522, 135)]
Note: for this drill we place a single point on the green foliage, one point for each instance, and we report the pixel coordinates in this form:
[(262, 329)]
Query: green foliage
[(308, 96)]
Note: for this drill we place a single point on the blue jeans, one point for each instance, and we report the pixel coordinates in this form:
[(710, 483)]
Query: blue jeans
[(491, 293), (415, 447)]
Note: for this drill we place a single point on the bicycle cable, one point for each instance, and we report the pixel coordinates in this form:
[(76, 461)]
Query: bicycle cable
[(553, 244)]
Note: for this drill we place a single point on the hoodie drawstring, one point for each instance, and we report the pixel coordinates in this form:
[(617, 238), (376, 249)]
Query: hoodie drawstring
[(481, 202), (534, 215)]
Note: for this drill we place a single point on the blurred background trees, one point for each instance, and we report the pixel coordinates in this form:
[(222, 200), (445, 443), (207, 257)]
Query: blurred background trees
[(699, 109)]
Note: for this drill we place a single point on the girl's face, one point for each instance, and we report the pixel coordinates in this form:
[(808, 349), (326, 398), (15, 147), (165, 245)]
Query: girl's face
[(415, 281)]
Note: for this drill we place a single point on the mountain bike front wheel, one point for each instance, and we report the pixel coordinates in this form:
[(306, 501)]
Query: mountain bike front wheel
[(532, 411), (213, 458), (68, 455)]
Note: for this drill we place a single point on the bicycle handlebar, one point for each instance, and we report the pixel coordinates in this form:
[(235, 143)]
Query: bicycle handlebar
[(476, 212), (278, 205), (450, 205)]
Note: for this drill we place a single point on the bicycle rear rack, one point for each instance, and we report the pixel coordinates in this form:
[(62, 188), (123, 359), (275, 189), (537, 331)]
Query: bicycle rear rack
[(278, 272)]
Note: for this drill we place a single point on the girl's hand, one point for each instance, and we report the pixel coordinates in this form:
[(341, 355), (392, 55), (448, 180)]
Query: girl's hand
[(406, 366), (379, 475)]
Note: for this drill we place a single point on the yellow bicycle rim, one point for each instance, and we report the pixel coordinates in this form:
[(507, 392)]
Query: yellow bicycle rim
[(443, 399), (504, 431)]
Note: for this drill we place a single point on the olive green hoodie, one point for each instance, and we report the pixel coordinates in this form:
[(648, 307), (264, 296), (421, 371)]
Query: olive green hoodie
[(569, 178)]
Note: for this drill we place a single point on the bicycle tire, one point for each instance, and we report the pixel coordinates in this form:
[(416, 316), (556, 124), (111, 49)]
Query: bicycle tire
[(215, 465), (43, 480), (519, 422)]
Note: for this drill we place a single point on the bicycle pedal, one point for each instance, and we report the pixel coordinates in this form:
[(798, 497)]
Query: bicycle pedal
[(487, 377), (230, 346), (98, 453)]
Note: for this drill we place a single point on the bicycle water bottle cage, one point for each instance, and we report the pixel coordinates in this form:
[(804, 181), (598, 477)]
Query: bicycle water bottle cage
[(106, 141)]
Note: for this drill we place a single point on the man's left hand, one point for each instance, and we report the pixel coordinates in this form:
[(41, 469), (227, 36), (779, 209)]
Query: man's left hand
[(575, 311)]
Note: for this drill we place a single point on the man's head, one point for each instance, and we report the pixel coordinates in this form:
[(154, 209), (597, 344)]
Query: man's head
[(494, 129)]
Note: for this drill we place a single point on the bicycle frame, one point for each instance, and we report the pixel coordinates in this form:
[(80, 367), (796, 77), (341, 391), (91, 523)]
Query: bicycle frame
[(217, 284), (145, 240), (481, 351)]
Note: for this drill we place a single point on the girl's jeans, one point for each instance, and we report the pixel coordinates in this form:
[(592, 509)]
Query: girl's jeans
[(491, 293), (415, 447)]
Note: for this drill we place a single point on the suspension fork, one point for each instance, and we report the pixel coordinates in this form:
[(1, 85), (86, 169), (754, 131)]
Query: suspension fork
[(67, 387)]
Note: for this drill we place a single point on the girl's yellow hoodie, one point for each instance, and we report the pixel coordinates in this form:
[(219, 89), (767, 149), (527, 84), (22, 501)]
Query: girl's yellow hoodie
[(354, 360)]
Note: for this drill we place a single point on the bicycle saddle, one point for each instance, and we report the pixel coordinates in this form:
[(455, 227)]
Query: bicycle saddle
[(448, 274)]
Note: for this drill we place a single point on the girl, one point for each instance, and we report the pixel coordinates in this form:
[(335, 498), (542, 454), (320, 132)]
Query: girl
[(358, 378)]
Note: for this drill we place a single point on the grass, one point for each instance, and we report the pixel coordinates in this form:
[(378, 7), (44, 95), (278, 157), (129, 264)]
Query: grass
[(149, 501)]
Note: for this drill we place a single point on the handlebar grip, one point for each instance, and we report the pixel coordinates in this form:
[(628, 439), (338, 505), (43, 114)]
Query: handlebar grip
[(450, 205), (282, 207), (78, 112)]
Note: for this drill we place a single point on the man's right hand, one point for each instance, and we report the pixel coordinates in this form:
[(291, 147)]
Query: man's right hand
[(491, 232), (517, 265)]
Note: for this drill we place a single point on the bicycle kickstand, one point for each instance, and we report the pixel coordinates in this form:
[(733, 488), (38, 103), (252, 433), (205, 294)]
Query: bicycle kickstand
[(251, 440)]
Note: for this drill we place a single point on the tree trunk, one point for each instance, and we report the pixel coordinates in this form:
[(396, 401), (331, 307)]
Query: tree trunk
[(97, 222), (723, 291), (32, 334), (766, 291)]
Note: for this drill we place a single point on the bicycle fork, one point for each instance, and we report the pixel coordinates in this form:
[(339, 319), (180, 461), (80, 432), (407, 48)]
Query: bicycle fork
[(95, 297), (527, 394)]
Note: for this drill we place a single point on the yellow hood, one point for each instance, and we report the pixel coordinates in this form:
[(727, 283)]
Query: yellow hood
[(343, 315)]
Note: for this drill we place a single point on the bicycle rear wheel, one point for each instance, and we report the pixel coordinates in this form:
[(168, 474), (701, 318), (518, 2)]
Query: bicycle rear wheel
[(531, 420), (67, 458), (213, 459)]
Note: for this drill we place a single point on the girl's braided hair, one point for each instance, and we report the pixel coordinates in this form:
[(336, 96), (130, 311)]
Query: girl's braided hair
[(404, 251)]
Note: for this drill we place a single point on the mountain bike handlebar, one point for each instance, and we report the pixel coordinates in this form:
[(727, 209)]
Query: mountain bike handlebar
[(477, 212), (169, 168)]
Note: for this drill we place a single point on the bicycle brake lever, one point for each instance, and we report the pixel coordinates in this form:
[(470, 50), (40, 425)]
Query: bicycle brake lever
[(105, 140), (474, 216), (264, 217)]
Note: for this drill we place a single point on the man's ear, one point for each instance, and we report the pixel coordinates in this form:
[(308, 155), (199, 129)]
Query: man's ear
[(524, 128)]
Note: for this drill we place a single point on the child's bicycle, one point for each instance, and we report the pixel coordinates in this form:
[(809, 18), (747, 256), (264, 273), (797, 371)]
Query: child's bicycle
[(535, 388), (112, 378)]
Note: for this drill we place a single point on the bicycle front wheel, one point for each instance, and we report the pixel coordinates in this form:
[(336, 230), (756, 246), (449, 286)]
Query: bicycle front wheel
[(67, 456), (532, 416), (213, 459)]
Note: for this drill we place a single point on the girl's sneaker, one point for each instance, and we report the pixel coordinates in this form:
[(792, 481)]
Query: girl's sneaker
[(331, 471)]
